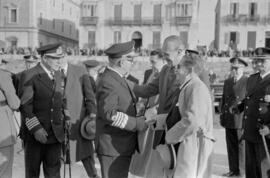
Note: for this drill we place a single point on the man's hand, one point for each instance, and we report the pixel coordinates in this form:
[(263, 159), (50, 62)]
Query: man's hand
[(264, 130), (141, 125), (41, 135)]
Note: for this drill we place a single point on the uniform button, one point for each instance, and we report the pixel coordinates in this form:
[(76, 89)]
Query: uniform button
[(51, 120), (261, 99), (248, 98), (51, 110), (237, 96), (260, 109), (246, 107), (259, 120), (245, 117)]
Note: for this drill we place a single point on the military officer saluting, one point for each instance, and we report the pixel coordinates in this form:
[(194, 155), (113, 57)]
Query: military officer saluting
[(41, 109), (234, 91), (256, 109)]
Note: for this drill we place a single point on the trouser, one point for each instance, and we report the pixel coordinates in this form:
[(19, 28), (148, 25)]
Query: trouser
[(114, 166), (256, 162), (235, 150), (89, 166), (6, 161), (47, 154)]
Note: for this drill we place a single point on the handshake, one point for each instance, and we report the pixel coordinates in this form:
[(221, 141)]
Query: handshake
[(142, 123)]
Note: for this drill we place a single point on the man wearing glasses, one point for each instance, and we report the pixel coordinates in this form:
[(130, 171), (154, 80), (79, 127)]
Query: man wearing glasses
[(256, 121), (234, 90), (117, 124)]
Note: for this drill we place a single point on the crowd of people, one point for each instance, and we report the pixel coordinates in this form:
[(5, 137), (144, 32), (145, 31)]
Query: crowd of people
[(161, 128)]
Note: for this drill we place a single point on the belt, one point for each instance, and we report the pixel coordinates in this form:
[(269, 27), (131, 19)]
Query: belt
[(3, 103)]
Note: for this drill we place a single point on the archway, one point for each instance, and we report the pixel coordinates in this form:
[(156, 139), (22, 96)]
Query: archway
[(137, 38)]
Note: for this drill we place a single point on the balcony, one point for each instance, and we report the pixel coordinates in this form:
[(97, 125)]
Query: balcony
[(241, 19), (89, 21), (133, 22), (185, 20)]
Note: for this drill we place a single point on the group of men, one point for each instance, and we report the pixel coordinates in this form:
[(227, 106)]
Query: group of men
[(58, 101), (245, 116)]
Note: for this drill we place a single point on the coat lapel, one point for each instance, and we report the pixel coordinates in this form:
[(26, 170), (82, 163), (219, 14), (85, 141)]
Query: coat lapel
[(44, 78)]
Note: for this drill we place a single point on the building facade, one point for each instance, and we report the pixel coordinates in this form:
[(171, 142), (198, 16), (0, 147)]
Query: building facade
[(147, 22), (244, 23), (34, 23)]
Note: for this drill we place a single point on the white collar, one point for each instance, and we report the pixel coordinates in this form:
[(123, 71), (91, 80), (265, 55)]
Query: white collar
[(49, 73), (238, 77), (265, 74), (115, 71)]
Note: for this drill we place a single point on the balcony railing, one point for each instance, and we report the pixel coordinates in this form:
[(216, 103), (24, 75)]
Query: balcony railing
[(89, 20), (134, 22), (241, 19), (185, 20)]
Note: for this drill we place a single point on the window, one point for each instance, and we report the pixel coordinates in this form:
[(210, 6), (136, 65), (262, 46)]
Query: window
[(53, 3), (234, 9), (63, 25), (156, 40), (117, 37), (184, 37), (252, 9), (118, 12), (157, 12), (70, 29), (183, 10), (63, 6), (13, 16), (40, 19), (137, 12), (70, 11), (91, 38), (92, 11)]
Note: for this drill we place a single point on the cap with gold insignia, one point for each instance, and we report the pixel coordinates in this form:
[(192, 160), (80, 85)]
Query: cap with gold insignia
[(30, 58), (52, 50), (91, 63), (237, 62), (261, 53), (119, 49)]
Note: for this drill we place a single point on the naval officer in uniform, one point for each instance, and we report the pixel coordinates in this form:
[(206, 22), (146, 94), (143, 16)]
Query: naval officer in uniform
[(41, 109), (117, 124), (234, 90), (256, 121)]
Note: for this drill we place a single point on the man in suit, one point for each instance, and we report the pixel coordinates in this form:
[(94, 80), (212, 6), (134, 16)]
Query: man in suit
[(92, 67), (41, 109), (81, 104), (234, 91), (8, 103), (195, 129), (256, 121), (165, 84), (117, 124)]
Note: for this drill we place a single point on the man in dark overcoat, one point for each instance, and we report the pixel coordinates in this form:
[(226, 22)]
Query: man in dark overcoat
[(117, 124), (81, 104), (234, 91), (41, 109), (256, 121)]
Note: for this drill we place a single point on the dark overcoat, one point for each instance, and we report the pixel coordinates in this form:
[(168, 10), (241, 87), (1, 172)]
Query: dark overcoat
[(233, 93), (80, 103), (42, 98), (114, 96)]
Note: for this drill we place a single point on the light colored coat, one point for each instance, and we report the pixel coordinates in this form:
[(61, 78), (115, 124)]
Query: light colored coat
[(194, 131), (8, 95)]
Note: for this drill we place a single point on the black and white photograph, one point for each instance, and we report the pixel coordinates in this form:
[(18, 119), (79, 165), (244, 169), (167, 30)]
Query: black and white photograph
[(134, 88)]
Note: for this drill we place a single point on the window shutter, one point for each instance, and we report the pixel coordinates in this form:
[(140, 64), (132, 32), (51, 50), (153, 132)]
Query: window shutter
[(237, 9), (231, 8)]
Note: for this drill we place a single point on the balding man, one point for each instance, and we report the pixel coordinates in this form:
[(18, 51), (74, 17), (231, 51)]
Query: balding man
[(165, 84)]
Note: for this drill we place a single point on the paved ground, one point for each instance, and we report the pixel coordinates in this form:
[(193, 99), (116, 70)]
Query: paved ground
[(219, 159)]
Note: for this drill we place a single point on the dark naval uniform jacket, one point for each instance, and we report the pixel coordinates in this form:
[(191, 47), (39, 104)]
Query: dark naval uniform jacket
[(256, 111), (233, 93), (113, 95), (41, 105)]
